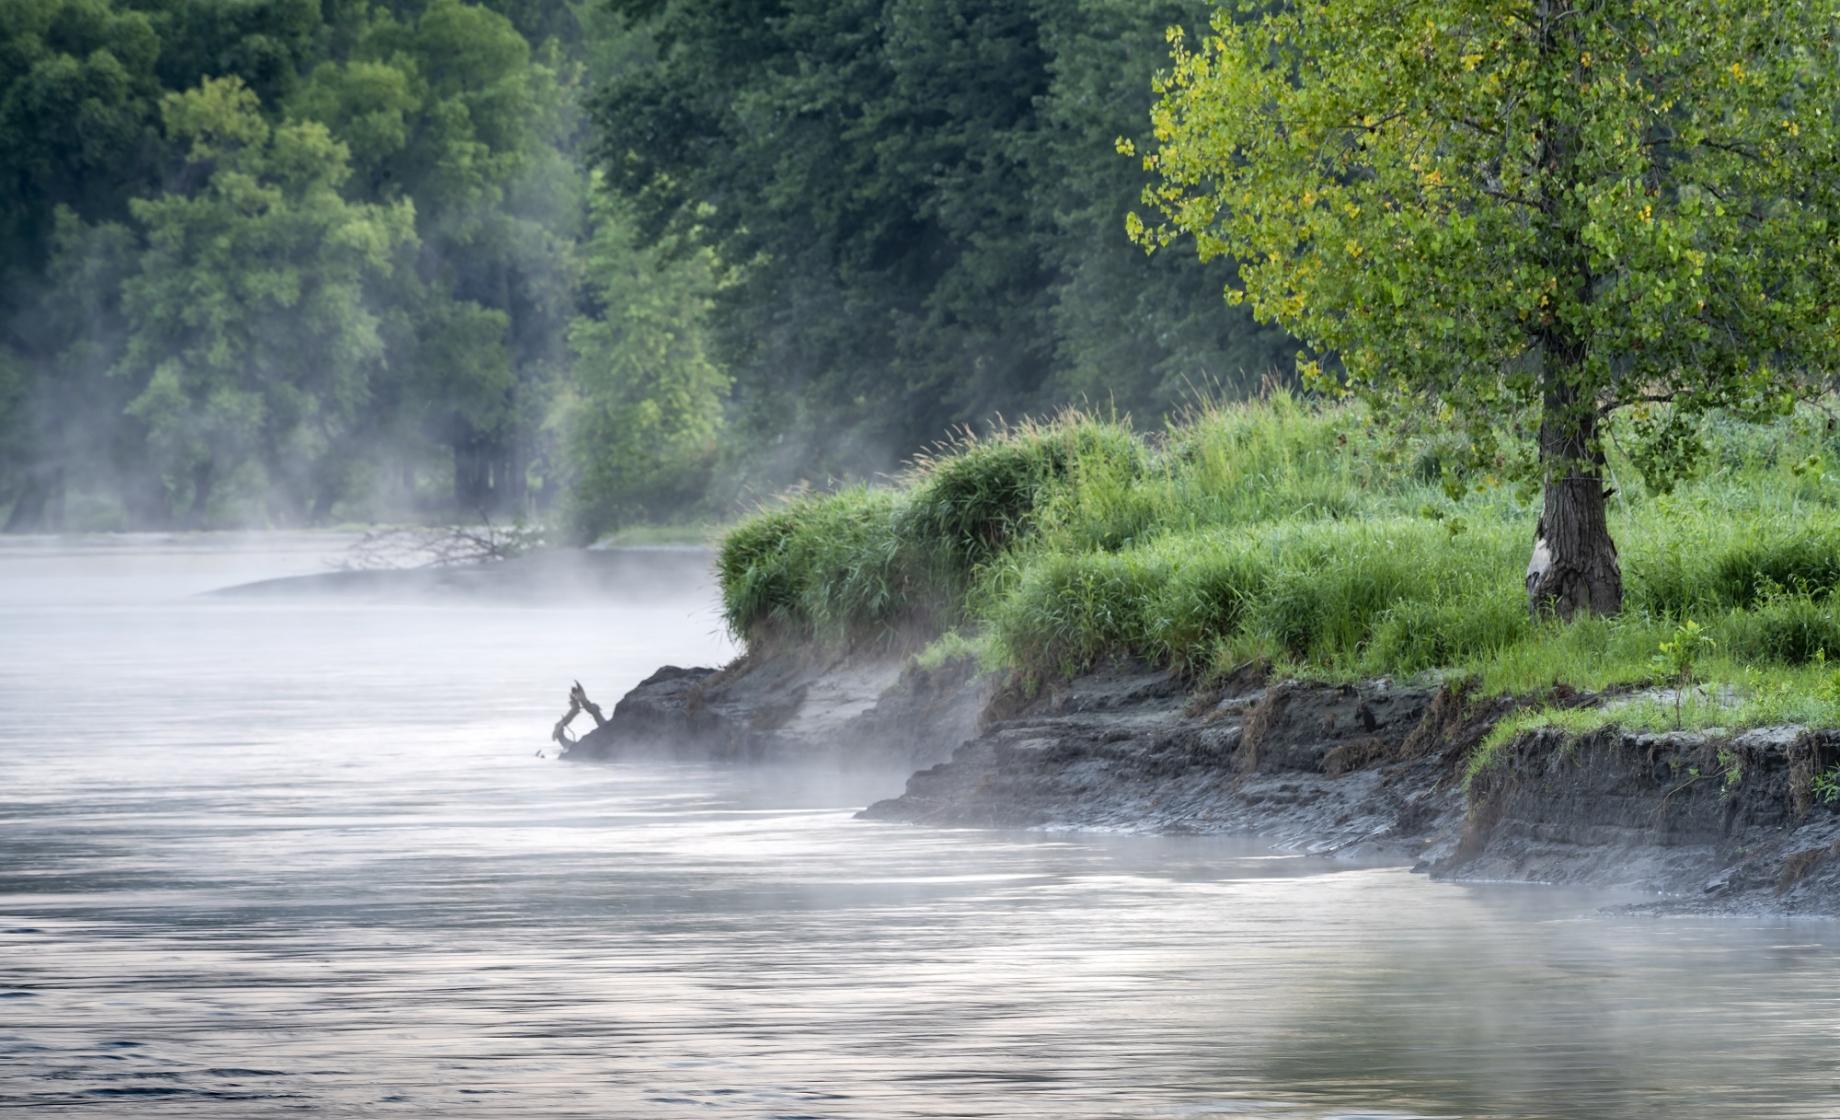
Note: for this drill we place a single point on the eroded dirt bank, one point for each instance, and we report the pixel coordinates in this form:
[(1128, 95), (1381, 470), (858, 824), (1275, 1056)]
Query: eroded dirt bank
[(1706, 823), (873, 712)]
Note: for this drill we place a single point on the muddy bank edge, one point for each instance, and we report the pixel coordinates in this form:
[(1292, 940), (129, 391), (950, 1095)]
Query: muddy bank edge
[(1707, 823)]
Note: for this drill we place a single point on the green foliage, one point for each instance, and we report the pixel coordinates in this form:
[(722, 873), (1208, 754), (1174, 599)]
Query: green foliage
[(1667, 447), (1065, 612), (643, 425), (885, 566), (265, 259), (1720, 563), (976, 495), (1826, 785), (1489, 211), (447, 105), (918, 202), (1785, 629), (832, 570), (1731, 770), (953, 646), (251, 330), (78, 115), (1676, 658), (1473, 204), (760, 589)]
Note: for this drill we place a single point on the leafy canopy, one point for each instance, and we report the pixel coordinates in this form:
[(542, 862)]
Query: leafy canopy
[(646, 417), (1462, 199), (249, 317)]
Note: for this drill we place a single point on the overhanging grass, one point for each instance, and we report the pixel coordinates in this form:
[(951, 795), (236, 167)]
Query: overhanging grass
[(831, 569)]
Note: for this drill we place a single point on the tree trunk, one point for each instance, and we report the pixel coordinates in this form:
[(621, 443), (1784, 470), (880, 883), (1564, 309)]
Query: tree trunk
[(54, 505), (204, 478), (1574, 566), (29, 508), (514, 476), (469, 471)]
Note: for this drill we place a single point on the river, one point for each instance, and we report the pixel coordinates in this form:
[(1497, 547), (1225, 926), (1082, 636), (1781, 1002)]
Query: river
[(299, 857)]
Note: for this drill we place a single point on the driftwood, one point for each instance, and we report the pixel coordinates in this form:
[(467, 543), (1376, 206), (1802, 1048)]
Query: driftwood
[(578, 703), (401, 547)]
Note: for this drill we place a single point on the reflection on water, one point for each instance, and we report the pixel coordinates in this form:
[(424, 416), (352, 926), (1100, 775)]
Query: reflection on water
[(262, 859)]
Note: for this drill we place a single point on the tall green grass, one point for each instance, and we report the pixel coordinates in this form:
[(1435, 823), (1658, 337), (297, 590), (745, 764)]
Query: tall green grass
[(1305, 535), (885, 565)]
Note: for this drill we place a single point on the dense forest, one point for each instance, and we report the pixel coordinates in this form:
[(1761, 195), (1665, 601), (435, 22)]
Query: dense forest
[(283, 262)]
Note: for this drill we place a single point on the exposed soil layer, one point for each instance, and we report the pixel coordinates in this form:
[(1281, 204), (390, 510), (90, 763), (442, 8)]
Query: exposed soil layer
[(1717, 823), (1708, 823), (1317, 768)]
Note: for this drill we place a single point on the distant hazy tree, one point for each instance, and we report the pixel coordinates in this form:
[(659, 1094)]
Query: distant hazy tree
[(1144, 334), (447, 105), (268, 45), (252, 335), (72, 431), (79, 116), (79, 132), (919, 202), (648, 397), (460, 115), (1494, 204), (17, 449)]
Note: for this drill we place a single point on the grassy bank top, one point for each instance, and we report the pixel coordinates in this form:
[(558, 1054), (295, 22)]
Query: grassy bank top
[(1306, 536)]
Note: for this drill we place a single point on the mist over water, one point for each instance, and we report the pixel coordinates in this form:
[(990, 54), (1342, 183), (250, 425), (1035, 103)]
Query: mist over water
[(297, 856)]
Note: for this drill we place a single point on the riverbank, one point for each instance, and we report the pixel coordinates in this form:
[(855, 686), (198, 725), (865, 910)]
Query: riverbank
[(1706, 822), (1308, 622)]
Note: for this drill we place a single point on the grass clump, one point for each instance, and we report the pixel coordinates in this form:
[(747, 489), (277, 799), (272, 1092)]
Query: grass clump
[(955, 646), (831, 569), (975, 496)]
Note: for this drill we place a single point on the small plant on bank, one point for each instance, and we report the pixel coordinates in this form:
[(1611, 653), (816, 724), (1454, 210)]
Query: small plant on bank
[(1826, 785), (1731, 771), (1677, 658)]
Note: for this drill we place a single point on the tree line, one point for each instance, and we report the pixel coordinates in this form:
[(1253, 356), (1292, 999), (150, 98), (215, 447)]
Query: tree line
[(307, 261)]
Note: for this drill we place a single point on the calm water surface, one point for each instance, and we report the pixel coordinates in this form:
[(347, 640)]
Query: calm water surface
[(299, 858)]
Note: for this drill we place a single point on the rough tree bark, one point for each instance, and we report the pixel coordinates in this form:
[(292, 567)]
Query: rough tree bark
[(29, 507), (1574, 566), (204, 480)]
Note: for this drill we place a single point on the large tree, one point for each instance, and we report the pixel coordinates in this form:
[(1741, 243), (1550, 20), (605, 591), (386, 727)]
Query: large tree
[(450, 109), (1561, 207), (250, 330)]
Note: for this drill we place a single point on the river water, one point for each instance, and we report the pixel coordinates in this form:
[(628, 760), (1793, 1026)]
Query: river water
[(298, 857)]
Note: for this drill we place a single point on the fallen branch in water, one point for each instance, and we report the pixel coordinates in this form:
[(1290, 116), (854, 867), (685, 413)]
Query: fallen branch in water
[(402, 547), (578, 703)]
